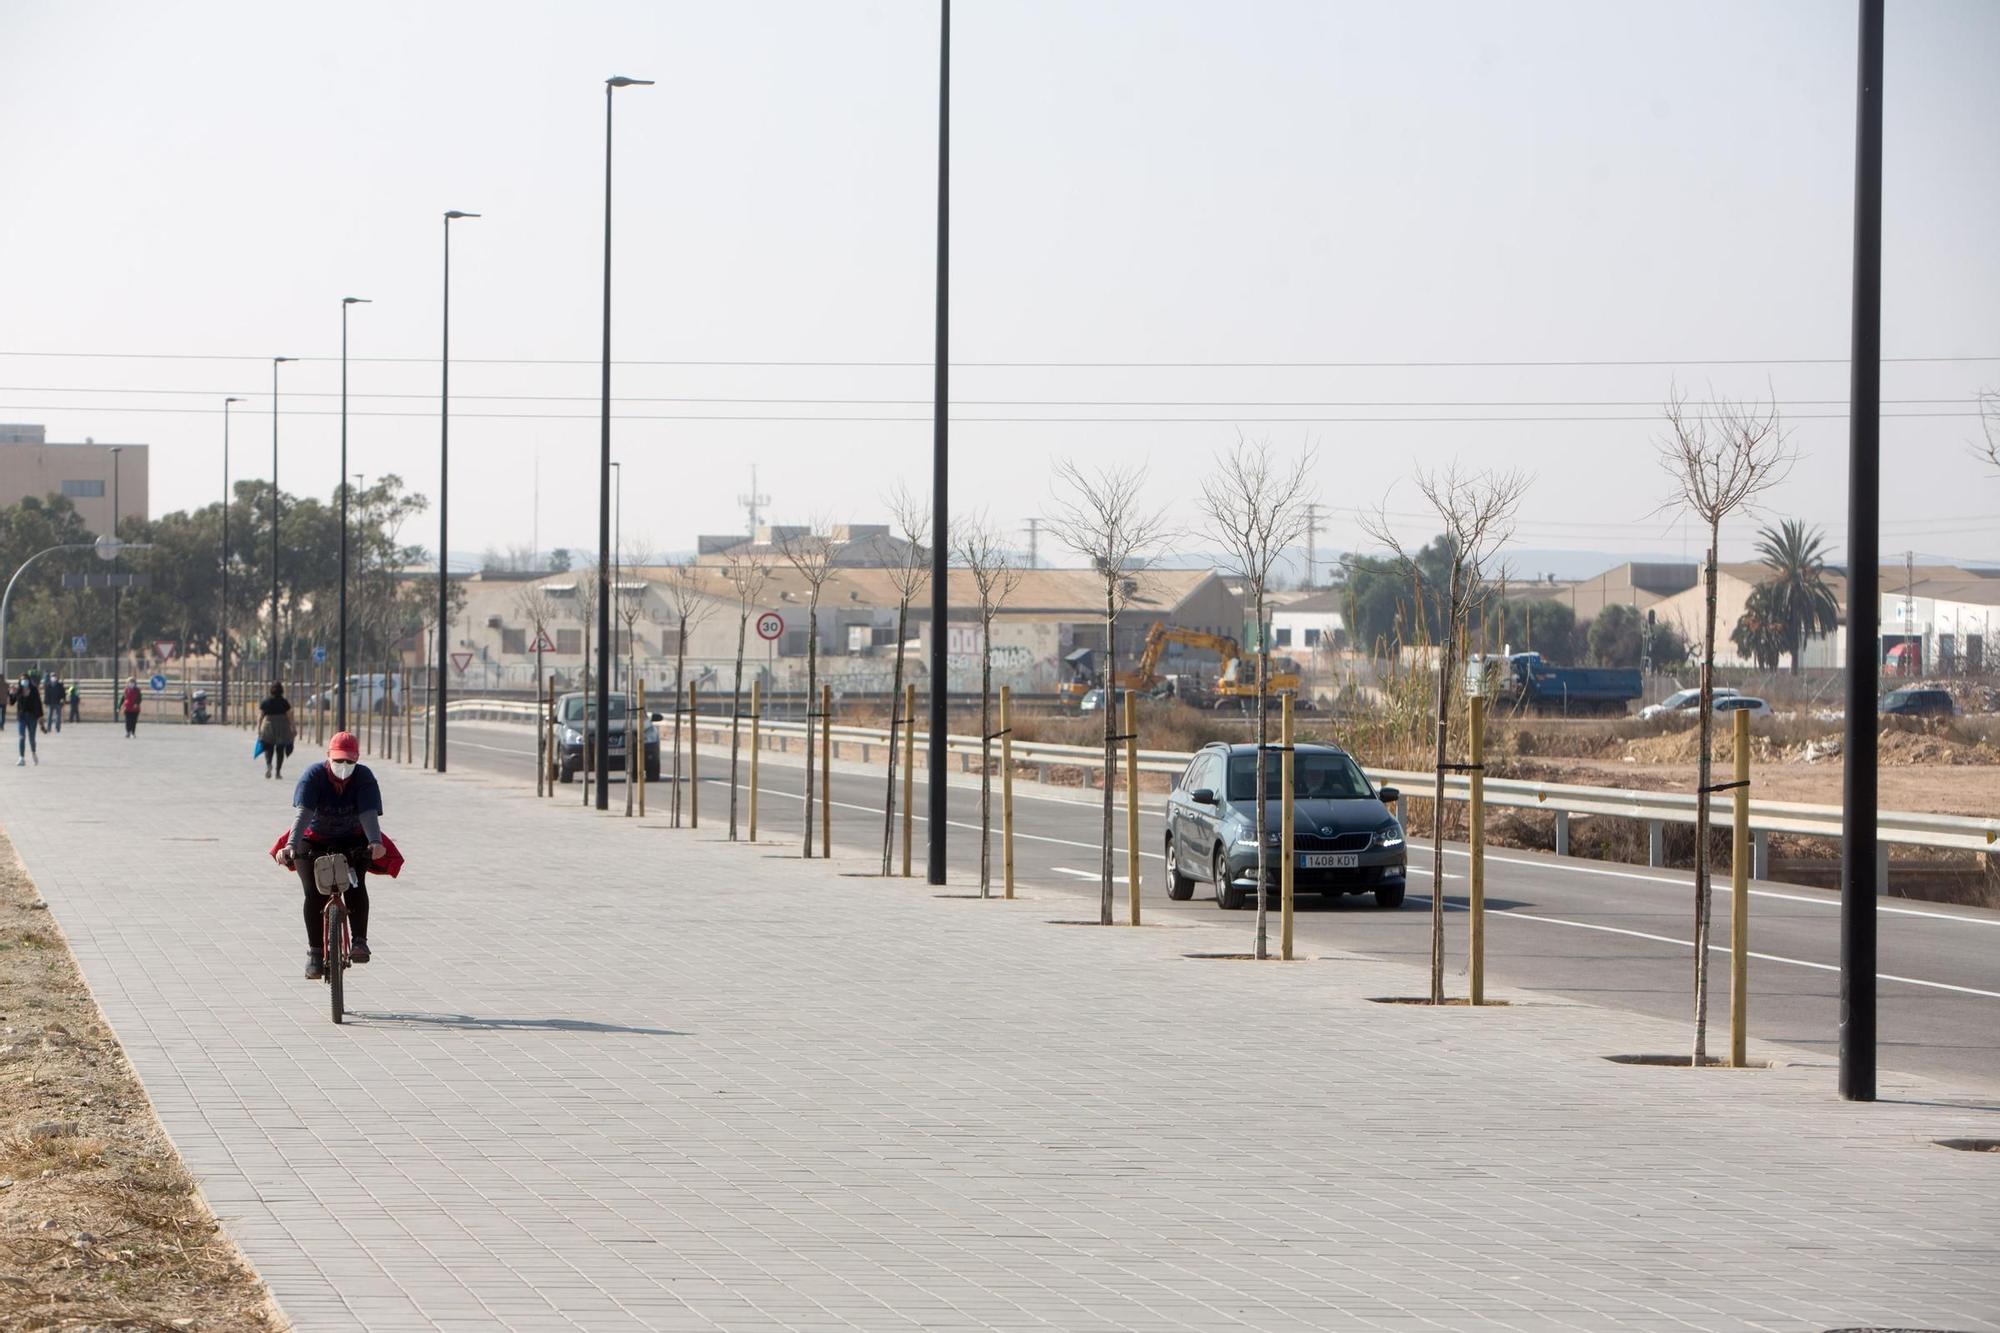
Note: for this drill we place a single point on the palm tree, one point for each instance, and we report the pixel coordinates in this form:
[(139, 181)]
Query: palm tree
[(1797, 597)]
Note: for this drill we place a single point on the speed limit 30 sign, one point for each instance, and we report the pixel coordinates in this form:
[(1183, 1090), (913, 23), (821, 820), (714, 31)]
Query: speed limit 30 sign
[(770, 625)]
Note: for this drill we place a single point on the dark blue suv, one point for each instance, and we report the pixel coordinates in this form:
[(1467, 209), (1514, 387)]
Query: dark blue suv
[(1344, 837)]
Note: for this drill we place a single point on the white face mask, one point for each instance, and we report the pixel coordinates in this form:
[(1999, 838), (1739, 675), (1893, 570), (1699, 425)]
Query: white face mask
[(342, 768)]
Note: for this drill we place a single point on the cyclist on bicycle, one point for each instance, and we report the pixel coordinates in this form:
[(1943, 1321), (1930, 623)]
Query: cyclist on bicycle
[(339, 809)]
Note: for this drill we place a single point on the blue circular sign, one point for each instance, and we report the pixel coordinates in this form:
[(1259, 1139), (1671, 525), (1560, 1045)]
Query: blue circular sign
[(159, 683)]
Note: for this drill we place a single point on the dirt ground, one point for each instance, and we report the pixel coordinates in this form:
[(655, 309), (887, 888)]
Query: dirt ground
[(100, 1226), (1947, 789)]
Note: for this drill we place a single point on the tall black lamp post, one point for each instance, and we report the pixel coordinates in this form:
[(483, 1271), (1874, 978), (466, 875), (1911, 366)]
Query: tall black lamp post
[(940, 492), (340, 653), (116, 592), (1858, 843), (601, 735), (276, 361), (224, 622), (444, 491)]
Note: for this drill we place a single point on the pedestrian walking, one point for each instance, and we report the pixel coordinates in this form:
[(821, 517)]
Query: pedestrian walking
[(129, 705), (27, 718), (75, 702), (52, 702), (274, 732)]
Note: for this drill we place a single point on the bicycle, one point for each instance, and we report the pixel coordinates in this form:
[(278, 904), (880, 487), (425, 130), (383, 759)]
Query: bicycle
[(333, 875)]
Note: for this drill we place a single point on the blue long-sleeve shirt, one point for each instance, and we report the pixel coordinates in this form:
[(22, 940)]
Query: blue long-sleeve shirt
[(329, 814)]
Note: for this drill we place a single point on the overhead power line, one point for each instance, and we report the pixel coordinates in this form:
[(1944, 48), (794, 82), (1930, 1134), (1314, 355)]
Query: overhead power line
[(925, 417), (972, 402), (261, 358)]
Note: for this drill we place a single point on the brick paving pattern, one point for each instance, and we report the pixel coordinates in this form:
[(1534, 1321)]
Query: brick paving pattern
[(606, 1075)]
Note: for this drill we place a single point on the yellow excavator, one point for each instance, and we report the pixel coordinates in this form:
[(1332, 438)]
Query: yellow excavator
[(1235, 683)]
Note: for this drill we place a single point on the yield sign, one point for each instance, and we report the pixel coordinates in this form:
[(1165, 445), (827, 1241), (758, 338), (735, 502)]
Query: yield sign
[(164, 648), (543, 644), (460, 661)]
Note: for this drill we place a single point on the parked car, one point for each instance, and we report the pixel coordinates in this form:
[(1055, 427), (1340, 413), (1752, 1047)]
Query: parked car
[(1742, 703), (1093, 700), (576, 725), (1681, 701), (1344, 837), (1917, 701)]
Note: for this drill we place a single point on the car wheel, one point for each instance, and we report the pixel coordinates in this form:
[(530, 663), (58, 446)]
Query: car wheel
[(566, 774), (1390, 897), (1180, 887), (1227, 896), (653, 771)]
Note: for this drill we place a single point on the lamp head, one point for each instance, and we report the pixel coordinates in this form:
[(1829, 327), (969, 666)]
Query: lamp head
[(620, 81), (355, 300), (455, 213), (280, 360), (227, 401)]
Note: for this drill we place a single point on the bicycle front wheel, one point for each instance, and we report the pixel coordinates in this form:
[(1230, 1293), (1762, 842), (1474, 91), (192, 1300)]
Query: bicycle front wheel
[(336, 958)]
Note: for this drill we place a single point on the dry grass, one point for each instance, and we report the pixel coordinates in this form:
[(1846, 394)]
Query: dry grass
[(100, 1225)]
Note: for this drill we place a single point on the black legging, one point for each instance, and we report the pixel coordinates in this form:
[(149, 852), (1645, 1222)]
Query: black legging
[(315, 904)]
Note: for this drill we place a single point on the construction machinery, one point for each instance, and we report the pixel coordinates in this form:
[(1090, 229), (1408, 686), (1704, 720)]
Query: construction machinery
[(1235, 684)]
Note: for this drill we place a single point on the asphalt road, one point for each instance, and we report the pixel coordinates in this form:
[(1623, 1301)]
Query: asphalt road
[(1610, 934)]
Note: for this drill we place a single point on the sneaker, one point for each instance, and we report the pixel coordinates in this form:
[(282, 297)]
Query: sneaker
[(358, 951), (21, 762), (315, 970), (38, 759)]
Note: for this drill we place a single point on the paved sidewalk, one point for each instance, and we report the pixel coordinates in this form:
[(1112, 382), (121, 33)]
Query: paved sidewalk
[(612, 1076)]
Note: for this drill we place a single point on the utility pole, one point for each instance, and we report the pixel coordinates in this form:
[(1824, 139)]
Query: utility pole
[(1859, 778), (754, 503), (1910, 607), (940, 489), (1312, 547), (1034, 542)]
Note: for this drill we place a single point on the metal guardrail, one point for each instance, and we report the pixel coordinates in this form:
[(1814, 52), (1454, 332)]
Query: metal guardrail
[(1655, 808)]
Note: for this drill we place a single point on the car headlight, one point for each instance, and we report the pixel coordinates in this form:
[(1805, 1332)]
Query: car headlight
[(570, 736), (1389, 835), (1246, 844)]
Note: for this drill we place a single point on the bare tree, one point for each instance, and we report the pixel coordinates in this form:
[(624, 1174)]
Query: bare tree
[(747, 571), (810, 548), (538, 611), (1477, 511), (1257, 508), (1101, 517), (909, 569), (630, 607), (687, 608), (1720, 461), (1989, 420), (586, 613), (977, 546)]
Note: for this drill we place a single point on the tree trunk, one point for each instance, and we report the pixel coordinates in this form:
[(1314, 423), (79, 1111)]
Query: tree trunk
[(680, 711), (1110, 745), (985, 751), (736, 714), (1263, 756), (1440, 758), (812, 696), (1705, 730), (895, 737)]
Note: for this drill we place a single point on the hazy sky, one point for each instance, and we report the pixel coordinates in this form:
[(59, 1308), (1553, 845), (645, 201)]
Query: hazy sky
[(1150, 181)]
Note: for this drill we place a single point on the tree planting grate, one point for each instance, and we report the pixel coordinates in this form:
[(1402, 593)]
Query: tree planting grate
[(1686, 1061), (1970, 1145), (1450, 1002)]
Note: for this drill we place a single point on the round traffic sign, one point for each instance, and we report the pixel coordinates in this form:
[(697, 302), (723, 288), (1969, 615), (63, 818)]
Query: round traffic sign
[(158, 683), (770, 625)]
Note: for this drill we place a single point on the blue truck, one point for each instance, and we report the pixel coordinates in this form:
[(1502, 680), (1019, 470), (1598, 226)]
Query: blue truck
[(1526, 681)]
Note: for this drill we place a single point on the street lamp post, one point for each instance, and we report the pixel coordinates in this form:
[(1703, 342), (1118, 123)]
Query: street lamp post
[(602, 732), (444, 491), (340, 688), (224, 623), (940, 492), (276, 361), (117, 653)]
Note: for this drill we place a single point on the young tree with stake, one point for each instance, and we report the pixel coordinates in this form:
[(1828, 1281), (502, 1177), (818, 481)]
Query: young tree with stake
[(994, 577), (687, 608), (1256, 508), (907, 561), (810, 549), (1477, 510), (747, 574), (1101, 517), (1719, 463)]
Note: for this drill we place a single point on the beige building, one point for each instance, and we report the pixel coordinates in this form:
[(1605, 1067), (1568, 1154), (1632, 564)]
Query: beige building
[(1052, 613), (1637, 585), (84, 473)]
